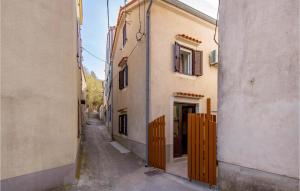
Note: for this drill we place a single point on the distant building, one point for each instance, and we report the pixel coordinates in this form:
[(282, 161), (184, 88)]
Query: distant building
[(258, 118), (41, 93), (107, 96), (181, 76)]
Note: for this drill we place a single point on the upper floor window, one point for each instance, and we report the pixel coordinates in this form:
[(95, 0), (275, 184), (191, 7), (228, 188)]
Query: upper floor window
[(124, 34), (123, 77), (188, 61)]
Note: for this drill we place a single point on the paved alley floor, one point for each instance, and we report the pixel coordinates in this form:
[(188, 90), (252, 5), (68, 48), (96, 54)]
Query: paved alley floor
[(104, 168)]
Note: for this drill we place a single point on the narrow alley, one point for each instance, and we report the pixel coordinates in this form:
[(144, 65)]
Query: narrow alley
[(104, 168)]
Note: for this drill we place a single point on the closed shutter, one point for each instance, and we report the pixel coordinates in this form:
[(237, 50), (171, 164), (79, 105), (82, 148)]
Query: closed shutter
[(120, 124), (198, 63), (125, 124), (177, 57), (121, 80)]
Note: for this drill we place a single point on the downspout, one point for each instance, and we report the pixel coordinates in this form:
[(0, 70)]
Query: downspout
[(147, 75), (111, 105)]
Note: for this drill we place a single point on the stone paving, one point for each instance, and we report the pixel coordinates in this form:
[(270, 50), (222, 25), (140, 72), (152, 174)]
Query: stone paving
[(103, 168)]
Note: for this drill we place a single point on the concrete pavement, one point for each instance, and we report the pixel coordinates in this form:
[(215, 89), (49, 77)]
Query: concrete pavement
[(104, 168)]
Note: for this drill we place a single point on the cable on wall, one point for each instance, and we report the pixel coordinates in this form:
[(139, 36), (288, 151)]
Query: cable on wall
[(215, 39), (139, 35)]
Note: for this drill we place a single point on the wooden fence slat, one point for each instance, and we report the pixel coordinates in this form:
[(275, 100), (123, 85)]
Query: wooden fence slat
[(194, 146), (210, 152), (157, 143), (214, 168), (201, 146), (154, 143), (197, 131), (189, 146), (160, 144), (206, 149), (164, 143)]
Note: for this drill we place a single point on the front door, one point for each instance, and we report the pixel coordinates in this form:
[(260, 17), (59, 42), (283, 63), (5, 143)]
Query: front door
[(180, 124)]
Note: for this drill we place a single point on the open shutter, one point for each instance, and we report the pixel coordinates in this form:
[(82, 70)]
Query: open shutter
[(126, 75), (177, 57), (198, 63)]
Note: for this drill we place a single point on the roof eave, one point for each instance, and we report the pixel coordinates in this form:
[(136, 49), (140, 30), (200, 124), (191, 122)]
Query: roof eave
[(191, 10)]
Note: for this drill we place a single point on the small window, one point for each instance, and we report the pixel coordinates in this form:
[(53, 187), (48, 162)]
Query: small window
[(186, 61), (123, 77), (123, 124), (124, 34)]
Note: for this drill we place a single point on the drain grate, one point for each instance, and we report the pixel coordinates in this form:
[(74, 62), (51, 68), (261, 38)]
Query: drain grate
[(153, 172)]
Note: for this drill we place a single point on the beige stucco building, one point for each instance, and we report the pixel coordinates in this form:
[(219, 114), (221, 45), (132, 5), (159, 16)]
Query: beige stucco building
[(40, 93), (170, 76)]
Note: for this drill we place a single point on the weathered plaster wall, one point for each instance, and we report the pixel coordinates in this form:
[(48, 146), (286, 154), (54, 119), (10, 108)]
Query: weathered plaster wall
[(40, 86), (164, 81), (133, 96), (258, 124)]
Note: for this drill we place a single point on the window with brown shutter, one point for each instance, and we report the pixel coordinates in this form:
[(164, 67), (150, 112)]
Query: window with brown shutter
[(188, 61), (123, 77)]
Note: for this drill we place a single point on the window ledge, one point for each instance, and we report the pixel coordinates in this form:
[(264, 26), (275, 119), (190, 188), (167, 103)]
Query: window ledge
[(184, 76), (124, 89)]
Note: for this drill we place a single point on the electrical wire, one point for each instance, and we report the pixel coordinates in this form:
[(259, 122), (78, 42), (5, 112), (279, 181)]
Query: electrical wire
[(217, 25), (139, 35), (90, 53)]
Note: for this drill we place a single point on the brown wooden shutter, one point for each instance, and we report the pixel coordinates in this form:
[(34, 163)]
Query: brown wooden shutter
[(177, 57), (121, 80), (126, 70), (120, 124), (197, 63), (125, 124)]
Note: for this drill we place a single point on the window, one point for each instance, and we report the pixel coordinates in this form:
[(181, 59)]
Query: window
[(188, 61), (123, 77), (123, 124), (124, 34)]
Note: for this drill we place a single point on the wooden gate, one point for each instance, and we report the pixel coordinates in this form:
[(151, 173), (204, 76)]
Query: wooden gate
[(157, 143), (202, 146)]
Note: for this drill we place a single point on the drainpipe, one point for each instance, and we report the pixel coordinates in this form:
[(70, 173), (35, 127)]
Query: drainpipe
[(147, 75), (111, 105)]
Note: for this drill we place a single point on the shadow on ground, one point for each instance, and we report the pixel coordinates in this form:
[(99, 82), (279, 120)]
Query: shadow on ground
[(103, 168)]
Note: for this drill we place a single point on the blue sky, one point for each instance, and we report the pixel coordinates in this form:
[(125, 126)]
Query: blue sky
[(94, 27)]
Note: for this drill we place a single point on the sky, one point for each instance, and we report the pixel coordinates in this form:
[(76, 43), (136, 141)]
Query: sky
[(94, 28)]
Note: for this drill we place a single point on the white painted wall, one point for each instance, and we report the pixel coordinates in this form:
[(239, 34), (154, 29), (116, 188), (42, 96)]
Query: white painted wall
[(258, 123)]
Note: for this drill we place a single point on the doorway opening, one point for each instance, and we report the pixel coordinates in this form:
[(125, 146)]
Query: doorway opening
[(178, 165), (180, 125)]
